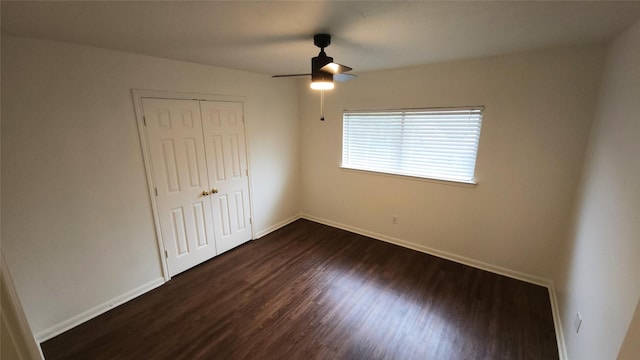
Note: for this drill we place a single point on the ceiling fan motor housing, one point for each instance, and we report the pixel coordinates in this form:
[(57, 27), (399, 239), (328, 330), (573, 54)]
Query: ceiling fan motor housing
[(316, 64), (322, 40)]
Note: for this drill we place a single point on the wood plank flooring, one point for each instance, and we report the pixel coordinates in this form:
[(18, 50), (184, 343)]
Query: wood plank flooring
[(309, 291)]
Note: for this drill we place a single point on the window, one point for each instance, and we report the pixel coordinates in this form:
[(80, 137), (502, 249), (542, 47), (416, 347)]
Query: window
[(430, 143)]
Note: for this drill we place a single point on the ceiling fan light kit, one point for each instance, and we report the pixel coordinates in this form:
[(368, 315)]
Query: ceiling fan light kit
[(322, 84), (323, 69)]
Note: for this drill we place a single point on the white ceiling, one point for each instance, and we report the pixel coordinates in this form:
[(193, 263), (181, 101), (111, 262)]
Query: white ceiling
[(276, 37)]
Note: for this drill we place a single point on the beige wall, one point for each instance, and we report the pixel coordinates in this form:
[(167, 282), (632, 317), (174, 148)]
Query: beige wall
[(538, 111), (600, 274), (77, 223)]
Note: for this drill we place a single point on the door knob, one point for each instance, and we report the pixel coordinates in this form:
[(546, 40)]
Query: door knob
[(214, 191), (205, 193)]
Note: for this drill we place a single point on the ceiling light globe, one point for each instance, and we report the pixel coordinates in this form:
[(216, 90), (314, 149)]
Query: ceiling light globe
[(322, 85)]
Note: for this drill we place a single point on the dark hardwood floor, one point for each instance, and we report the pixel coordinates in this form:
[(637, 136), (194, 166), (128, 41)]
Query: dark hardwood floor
[(309, 291)]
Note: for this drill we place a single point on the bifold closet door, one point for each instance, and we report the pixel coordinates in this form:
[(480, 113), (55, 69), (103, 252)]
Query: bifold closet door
[(199, 164), (179, 165)]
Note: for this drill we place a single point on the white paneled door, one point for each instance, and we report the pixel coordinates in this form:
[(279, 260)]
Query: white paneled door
[(199, 166), (224, 141)]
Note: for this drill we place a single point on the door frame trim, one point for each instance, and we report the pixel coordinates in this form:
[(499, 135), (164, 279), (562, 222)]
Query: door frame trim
[(138, 95)]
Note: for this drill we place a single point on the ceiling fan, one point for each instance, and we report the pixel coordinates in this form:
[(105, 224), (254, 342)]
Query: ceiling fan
[(323, 69)]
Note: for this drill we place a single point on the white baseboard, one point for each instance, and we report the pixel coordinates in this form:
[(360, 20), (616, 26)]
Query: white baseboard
[(431, 251), (466, 261), (277, 226), (102, 308), (96, 311), (557, 322)]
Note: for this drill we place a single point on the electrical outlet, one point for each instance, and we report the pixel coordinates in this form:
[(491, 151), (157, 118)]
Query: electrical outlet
[(394, 219), (577, 322)]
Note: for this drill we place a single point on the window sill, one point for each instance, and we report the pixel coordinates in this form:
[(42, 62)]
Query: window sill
[(414, 178)]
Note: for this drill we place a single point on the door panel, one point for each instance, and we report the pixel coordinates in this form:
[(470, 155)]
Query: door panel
[(241, 215), (224, 139), (179, 165)]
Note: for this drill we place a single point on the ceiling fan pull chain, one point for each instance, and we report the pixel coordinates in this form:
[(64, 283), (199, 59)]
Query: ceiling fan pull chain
[(321, 105)]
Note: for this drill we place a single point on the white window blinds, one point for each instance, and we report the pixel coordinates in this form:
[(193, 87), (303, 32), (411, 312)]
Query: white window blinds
[(430, 143)]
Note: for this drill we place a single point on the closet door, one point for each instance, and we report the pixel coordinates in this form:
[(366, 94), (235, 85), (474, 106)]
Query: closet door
[(179, 166), (224, 139)]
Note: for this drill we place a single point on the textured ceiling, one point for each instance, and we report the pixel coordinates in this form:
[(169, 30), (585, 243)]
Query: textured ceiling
[(276, 37)]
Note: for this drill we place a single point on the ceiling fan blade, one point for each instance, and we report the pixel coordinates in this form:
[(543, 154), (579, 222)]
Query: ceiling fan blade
[(289, 75), (344, 77), (335, 68)]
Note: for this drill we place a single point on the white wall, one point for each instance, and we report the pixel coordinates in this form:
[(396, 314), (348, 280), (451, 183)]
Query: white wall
[(77, 221), (600, 274), (538, 111)]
